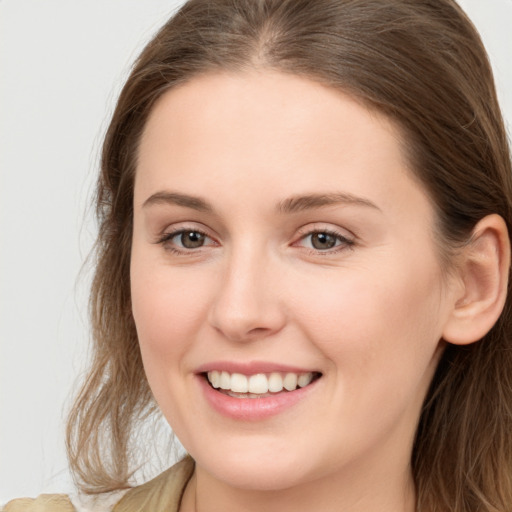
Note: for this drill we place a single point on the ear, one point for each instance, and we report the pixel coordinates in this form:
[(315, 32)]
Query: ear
[(483, 270)]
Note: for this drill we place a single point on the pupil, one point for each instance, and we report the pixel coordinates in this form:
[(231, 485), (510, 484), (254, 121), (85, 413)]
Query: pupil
[(192, 239), (323, 241)]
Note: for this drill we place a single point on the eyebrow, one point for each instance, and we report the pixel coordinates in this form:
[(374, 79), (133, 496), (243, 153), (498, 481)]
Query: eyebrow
[(297, 204), (294, 204), (193, 202)]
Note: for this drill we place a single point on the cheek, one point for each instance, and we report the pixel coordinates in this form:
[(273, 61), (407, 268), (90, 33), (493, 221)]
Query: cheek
[(166, 310), (167, 316), (380, 337), (368, 322)]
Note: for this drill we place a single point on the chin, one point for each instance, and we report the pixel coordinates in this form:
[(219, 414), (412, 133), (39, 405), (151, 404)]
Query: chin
[(257, 469), (259, 477)]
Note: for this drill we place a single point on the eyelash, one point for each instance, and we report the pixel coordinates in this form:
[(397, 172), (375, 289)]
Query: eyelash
[(167, 237), (344, 242)]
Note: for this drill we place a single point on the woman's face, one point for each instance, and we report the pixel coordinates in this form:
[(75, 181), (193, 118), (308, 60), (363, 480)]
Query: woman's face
[(279, 236)]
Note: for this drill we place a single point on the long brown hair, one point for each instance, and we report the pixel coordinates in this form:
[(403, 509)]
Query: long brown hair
[(423, 65)]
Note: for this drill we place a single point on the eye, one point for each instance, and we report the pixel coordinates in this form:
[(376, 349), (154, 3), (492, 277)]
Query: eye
[(325, 241), (189, 239), (185, 239)]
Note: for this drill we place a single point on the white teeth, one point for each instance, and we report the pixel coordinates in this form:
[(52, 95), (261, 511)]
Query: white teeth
[(225, 380), (290, 381), (260, 383), (304, 379), (239, 383), (275, 383), (214, 378)]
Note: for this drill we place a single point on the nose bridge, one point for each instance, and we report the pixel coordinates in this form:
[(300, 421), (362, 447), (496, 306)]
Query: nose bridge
[(246, 304)]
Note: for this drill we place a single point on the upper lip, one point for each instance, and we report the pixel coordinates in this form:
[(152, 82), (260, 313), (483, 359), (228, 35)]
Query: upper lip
[(251, 368)]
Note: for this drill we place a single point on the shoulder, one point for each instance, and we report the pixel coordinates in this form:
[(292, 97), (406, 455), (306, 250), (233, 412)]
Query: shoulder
[(64, 503), (43, 503), (162, 494)]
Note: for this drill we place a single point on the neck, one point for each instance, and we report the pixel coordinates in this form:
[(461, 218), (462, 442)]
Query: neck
[(353, 491)]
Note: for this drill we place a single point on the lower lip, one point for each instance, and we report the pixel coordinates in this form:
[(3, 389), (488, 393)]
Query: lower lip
[(253, 409)]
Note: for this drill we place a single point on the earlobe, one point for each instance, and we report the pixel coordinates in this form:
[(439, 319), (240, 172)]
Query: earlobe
[(483, 269)]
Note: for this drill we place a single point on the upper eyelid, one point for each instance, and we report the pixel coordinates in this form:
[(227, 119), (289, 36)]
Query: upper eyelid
[(185, 226), (346, 238), (318, 227), (302, 231), (167, 235), (341, 238)]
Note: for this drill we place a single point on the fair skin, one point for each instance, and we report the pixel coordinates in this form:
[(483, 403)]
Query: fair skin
[(232, 271)]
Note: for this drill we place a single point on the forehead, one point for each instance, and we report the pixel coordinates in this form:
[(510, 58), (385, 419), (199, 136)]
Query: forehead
[(271, 134)]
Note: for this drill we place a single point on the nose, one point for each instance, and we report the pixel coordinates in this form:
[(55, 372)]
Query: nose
[(247, 304)]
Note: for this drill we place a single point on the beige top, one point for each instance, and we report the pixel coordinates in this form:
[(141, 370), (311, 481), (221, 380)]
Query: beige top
[(162, 494)]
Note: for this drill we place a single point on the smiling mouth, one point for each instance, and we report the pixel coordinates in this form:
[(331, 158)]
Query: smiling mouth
[(260, 385)]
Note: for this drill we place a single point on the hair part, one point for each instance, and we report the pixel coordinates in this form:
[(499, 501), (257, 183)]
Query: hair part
[(423, 65)]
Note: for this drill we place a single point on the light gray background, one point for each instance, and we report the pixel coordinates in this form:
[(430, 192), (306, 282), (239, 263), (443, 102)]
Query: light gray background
[(62, 64)]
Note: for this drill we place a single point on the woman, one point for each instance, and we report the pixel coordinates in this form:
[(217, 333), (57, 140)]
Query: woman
[(303, 261)]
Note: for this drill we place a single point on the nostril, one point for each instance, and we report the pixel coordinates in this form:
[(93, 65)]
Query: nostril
[(244, 309)]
